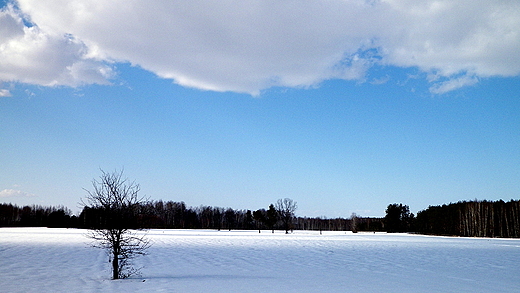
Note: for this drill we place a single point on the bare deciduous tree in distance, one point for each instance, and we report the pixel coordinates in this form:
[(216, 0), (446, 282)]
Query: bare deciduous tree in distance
[(117, 202), (286, 208), (353, 221)]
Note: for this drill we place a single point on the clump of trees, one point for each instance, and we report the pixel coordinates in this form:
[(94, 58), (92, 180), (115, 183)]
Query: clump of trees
[(398, 218), (265, 218), (472, 219), (464, 218), (114, 206)]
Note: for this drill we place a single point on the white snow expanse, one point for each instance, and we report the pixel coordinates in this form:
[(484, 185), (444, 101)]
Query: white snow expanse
[(61, 260)]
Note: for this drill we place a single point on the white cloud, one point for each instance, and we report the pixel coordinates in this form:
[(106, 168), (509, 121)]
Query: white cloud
[(5, 93), (453, 84), (14, 193), (251, 45), (31, 55), (381, 80)]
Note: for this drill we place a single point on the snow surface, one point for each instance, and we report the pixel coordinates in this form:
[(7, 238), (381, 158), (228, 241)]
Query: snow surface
[(61, 260)]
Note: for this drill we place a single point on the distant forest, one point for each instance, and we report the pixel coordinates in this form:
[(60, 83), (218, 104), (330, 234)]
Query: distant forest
[(472, 219), (176, 215), (466, 218)]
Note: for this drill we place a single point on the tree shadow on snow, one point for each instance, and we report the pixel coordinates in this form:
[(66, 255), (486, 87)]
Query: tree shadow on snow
[(206, 277)]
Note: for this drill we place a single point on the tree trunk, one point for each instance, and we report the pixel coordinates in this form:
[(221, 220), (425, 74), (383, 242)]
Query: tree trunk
[(115, 266)]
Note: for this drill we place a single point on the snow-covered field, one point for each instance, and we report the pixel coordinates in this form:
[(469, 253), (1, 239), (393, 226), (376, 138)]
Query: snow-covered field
[(61, 260)]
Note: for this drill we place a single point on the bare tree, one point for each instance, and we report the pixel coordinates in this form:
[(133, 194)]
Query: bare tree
[(354, 222), (286, 208), (115, 202)]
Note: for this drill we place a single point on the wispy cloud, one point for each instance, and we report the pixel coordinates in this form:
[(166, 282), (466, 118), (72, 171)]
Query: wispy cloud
[(453, 84), (381, 80), (247, 46), (6, 193), (5, 93)]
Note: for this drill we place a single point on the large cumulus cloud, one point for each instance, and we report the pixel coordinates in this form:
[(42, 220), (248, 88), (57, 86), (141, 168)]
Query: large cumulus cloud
[(247, 46)]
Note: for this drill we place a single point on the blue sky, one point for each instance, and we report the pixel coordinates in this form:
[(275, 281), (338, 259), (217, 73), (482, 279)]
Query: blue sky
[(343, 122)]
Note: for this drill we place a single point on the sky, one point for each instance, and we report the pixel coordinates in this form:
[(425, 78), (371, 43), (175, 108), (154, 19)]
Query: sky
[(343, 106)]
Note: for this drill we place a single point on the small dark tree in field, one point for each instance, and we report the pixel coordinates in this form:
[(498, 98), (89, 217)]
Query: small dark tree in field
[(271, 217), (286, 208), (259, 218), (116, 203)]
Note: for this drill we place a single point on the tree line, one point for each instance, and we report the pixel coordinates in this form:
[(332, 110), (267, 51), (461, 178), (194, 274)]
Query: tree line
[(177, 215), (37, 216), (464, 218)]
